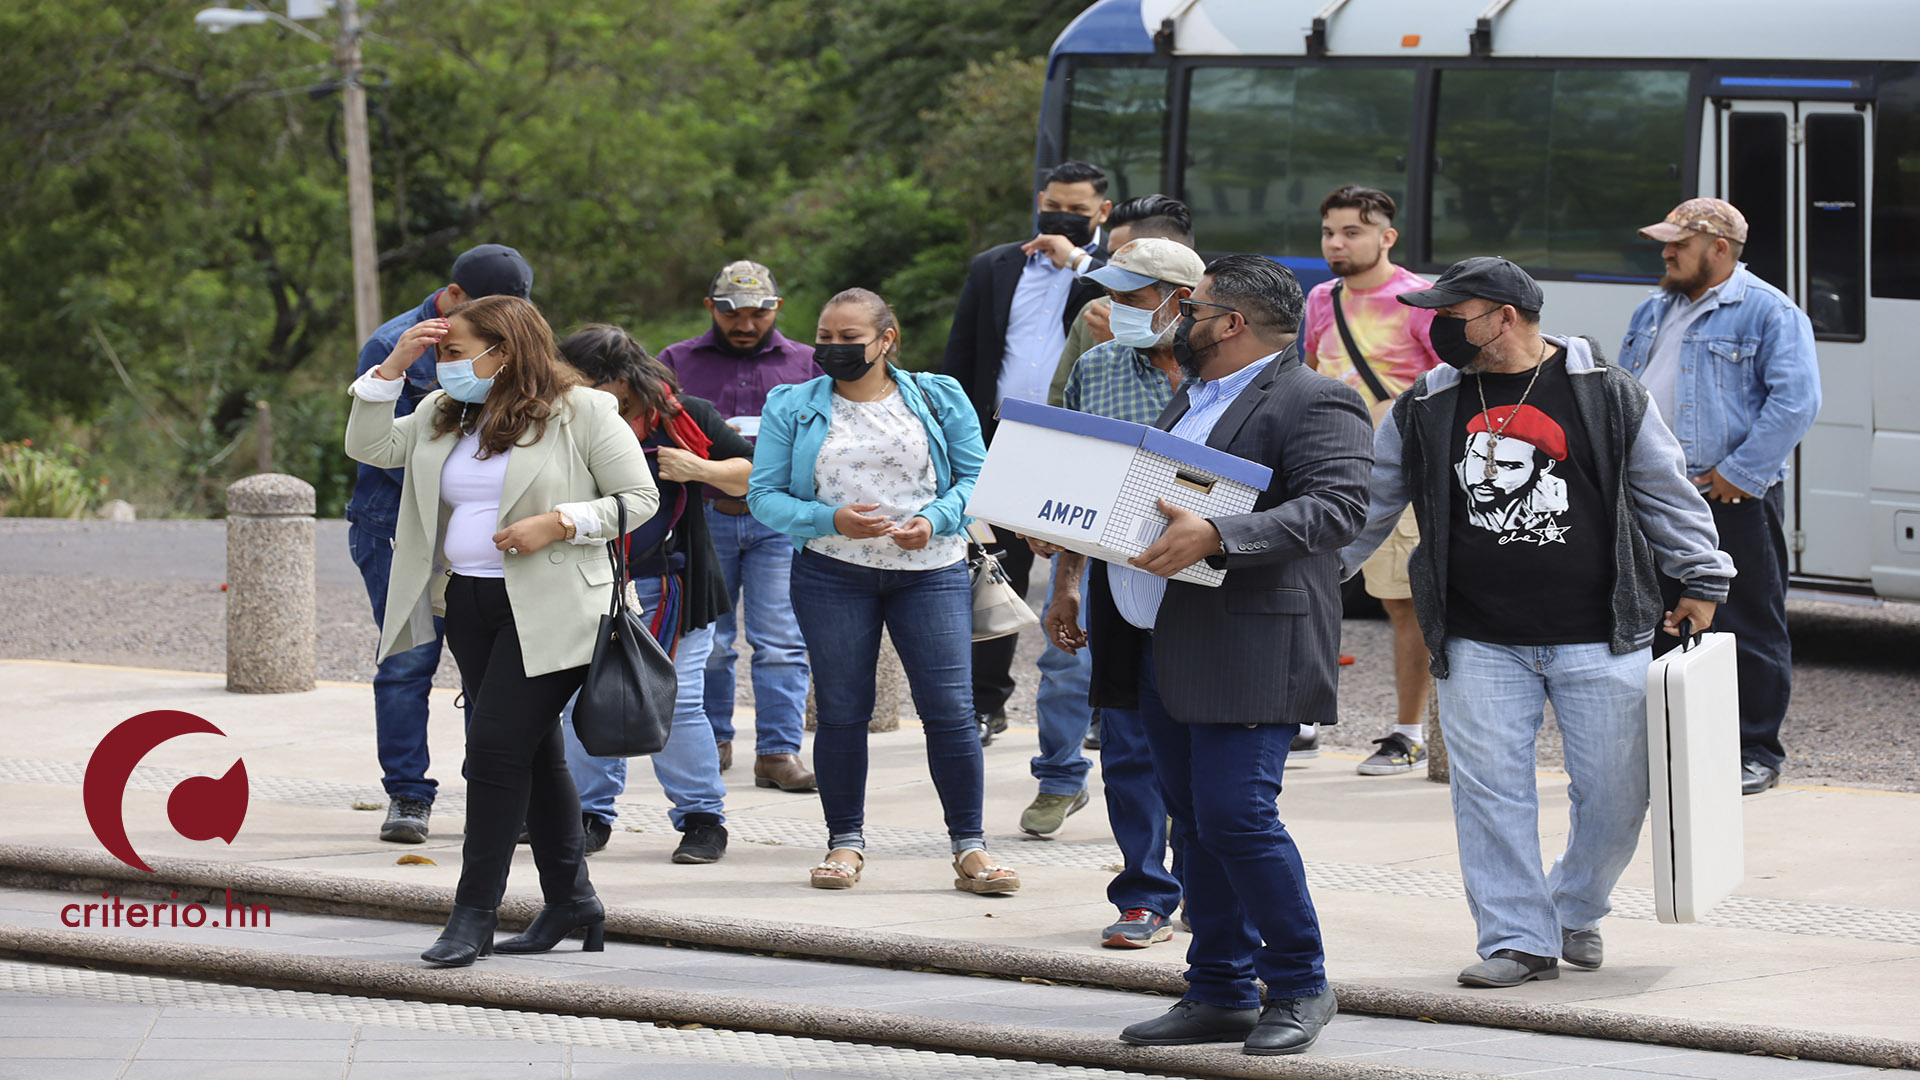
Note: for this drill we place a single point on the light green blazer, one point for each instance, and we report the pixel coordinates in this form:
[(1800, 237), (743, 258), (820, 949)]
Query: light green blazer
[(589, 454)]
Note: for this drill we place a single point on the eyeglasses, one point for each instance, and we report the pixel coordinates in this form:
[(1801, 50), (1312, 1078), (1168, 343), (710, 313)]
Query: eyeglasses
[(727, 305), (1187, 312)]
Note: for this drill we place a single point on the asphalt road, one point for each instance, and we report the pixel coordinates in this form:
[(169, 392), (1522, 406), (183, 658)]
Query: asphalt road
[(147, 593)]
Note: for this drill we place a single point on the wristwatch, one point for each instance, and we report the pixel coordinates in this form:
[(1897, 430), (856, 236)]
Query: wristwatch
[(566, 525)]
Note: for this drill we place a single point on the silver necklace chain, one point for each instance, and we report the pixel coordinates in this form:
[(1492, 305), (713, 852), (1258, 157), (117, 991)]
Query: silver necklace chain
[(1495, 434)]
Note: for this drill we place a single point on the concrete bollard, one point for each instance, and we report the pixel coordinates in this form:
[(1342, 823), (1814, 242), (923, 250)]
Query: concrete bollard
[(270, 585), (890, 692), (1437, 770)]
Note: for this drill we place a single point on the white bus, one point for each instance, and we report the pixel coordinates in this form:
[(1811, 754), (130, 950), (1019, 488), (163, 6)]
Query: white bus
[(1548, 131)]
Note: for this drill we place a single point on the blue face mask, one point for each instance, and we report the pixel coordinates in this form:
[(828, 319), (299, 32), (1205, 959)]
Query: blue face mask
[(461, 384), (1134, 326)]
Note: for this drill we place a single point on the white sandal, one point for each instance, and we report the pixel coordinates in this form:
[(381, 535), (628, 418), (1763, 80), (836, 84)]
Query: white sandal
[(987, 881), (832, 873)]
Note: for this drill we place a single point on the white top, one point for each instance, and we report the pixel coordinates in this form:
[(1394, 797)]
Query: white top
[(876, 452), (471, 487), (1662, 376)]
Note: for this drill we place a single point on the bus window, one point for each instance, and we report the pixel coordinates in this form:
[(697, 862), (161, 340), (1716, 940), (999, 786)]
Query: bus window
[(1117, 119), (1835, 159), (1265, 145), (1896, 183), (1557, 170), (1757, 184)]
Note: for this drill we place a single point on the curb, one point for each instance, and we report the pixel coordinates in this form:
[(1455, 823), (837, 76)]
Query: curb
[(468, 986), (81, 870)]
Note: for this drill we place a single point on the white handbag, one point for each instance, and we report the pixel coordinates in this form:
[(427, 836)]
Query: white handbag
[(997, 609)]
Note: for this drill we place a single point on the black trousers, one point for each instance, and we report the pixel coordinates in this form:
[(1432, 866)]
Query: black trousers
[(516, 759), (993, 660), (1752, 532)]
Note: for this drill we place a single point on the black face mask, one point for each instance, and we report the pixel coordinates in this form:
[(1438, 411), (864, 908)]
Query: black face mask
[(845, 361), (1077, 228), (1183, 351), (1448, 335)]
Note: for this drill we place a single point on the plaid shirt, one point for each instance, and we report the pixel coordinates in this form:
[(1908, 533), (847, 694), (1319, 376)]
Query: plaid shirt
[(1118, 381)]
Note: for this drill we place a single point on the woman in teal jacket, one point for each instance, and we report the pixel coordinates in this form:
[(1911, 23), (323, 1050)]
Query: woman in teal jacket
[(869, 469)]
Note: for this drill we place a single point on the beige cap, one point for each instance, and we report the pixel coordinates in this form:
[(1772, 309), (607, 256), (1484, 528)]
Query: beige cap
[(1140, 263), (743, 279), (1714, 217)]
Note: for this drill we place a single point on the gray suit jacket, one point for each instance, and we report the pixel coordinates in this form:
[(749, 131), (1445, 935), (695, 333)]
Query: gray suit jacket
[(1262, 647)]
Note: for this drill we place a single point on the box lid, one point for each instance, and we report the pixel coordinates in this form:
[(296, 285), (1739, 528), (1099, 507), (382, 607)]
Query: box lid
[(1151, 439)]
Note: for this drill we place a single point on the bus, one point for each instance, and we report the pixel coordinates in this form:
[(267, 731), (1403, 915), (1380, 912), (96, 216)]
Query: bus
[(1549, 131)]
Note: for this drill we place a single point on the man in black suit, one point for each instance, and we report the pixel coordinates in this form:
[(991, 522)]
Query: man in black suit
[(1223, 677), (1008, 330)]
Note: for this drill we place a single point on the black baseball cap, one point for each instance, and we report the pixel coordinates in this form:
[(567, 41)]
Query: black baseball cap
[(493, 270), (1488, 277)]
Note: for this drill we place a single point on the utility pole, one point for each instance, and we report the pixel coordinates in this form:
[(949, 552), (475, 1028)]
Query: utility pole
[(353, 95)]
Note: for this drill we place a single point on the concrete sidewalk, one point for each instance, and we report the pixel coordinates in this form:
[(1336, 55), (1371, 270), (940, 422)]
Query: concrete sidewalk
[(1825, 935)]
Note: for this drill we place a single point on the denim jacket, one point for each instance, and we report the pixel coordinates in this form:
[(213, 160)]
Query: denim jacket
[(1749, 381), (376, 492), (793, 427)]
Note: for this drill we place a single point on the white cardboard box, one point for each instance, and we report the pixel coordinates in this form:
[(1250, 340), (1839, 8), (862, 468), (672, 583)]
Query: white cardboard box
[(1090, 483), (1693, 768)]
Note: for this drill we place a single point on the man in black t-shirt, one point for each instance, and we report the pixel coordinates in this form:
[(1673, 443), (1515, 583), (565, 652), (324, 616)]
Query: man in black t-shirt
[(1550, 502)]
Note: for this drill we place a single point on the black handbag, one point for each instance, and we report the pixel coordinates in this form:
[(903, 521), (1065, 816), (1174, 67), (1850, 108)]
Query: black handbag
[(625, 708)]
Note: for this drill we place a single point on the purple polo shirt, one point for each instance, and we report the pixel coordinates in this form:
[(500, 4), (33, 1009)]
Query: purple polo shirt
[(738, 385)]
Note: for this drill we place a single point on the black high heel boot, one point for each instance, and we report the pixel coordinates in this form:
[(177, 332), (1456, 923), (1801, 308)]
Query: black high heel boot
[(556, 921), (468, 936)]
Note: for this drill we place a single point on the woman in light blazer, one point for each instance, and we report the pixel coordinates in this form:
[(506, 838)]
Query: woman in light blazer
[(512, 475), (869, 469)]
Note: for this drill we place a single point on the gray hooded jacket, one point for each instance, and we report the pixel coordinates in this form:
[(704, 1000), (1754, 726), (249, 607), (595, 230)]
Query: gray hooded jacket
[(1661, 522)]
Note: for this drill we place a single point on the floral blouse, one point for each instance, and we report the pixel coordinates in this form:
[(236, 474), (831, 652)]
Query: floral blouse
[(876, 452)]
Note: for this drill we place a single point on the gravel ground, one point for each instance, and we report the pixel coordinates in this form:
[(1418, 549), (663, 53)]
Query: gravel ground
[(148, 594)]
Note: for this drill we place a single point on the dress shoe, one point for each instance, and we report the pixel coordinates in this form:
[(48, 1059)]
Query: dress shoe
[(1757, 776), (594, 833), (1510, 967), (1190, 1022), (726, 754), (1290, 1025), (468, 937), (556, 921), (1581, 948), (782, 771)]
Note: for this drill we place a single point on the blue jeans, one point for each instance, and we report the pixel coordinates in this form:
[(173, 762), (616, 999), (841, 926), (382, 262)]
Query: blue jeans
[(688, 767), (929, 615), (755, 561), (1138, 816), (1246, 888), (1491, 708), (400, 683), (1065, 679)]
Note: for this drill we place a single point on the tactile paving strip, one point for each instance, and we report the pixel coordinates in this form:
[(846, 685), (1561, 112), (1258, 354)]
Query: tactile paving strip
[(703, 1044), (1738, 912)]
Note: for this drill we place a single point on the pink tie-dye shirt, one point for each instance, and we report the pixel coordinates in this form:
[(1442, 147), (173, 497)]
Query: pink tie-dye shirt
[(1392, 335)]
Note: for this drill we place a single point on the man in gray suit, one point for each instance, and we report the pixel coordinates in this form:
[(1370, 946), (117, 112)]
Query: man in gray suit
[(1222, 678)]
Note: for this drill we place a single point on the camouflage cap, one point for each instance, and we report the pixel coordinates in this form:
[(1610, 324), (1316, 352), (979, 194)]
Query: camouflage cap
[(744, 279), (1714, 217)]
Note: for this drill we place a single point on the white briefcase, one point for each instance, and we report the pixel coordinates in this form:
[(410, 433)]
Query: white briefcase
[(1693, 767)]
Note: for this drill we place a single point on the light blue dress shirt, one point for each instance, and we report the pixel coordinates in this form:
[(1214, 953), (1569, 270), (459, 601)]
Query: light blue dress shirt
[(1036, 328), (1137, 593)]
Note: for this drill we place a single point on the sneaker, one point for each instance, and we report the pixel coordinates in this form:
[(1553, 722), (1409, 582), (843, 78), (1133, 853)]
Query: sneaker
[(1304, 748), (595, 832), (1048, 814), (406, 821), (1397, 754), (1092, 741), (1137, 929), (702, 839), (991, 724)]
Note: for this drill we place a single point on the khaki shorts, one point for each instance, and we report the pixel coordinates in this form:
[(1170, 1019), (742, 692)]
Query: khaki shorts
[(1386, 572)]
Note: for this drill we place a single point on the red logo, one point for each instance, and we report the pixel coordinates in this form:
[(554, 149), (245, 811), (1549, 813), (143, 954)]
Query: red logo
[(200, 807)]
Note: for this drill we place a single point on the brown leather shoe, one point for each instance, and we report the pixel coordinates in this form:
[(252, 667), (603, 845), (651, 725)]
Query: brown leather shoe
[(783, 771), (726, 755)]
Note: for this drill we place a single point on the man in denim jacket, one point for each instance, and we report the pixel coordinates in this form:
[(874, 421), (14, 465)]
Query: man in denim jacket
[(1730, 363)]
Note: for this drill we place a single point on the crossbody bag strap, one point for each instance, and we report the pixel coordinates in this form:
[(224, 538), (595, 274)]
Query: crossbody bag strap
[(1353, 350)]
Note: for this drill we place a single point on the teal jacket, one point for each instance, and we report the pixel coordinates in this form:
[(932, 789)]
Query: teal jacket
[(793, 426)]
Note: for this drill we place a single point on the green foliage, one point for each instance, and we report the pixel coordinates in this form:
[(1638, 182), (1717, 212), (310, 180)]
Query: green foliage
[(173, 209), (35, 483)]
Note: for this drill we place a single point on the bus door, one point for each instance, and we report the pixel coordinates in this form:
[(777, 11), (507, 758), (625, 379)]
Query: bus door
[(1801, 172)]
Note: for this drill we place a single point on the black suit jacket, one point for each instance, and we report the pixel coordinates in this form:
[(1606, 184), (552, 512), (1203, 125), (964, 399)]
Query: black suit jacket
[(977, 342), (1263, 647)]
